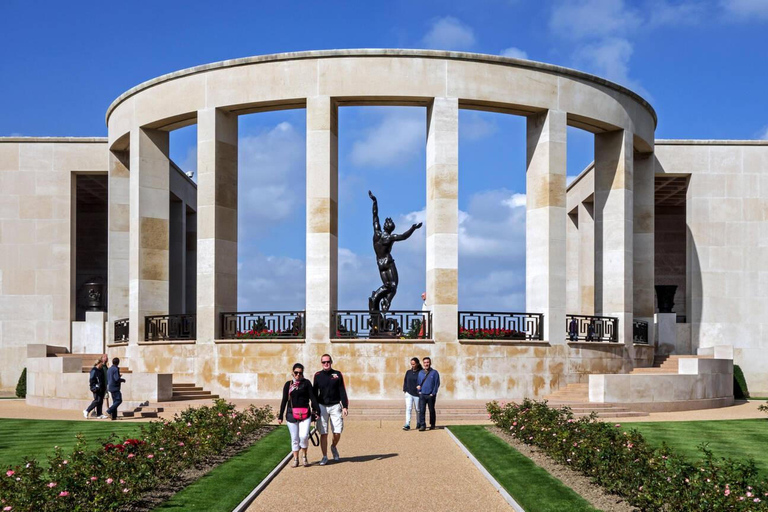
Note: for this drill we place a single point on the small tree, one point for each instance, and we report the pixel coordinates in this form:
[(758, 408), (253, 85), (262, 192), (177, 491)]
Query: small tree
[(21, 387)]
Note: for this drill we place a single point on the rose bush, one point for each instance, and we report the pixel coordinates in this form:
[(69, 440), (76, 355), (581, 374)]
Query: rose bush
[(115, 474), (623, 463)]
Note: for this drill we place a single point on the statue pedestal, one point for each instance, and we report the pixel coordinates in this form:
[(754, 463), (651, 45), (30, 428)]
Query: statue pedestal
[(666, 332), (88, 336)]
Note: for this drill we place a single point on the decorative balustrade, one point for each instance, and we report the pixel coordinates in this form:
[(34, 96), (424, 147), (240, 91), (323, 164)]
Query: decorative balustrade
[(480, 325), (262, 324), (121, 330), (389, 325), (640, 332), (170, 327), (592, 328)]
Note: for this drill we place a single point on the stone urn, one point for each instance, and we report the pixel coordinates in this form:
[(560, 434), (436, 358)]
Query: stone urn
[(93, 291), (665, 296)]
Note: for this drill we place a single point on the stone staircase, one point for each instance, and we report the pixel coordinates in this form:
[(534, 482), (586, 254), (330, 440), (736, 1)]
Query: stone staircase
[(89, 359), (189, 391), (576, 396), (667, 364)]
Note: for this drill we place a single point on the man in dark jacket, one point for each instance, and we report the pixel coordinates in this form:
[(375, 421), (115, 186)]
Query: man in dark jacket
[(98, 386), (113, 385), (428, 384), (332, 398)]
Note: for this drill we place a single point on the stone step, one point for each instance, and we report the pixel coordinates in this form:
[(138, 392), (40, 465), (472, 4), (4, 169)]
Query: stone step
[(184, 384), (188, 388), (207, 396), (611, 414)]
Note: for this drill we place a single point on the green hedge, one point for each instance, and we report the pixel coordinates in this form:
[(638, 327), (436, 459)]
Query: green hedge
[(740, 390), (623, 463), (21, 386)]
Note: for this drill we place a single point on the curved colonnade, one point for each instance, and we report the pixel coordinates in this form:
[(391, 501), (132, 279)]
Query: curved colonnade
[(212, 96)]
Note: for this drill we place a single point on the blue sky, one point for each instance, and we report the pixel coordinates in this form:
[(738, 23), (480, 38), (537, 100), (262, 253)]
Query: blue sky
[(702, 65)]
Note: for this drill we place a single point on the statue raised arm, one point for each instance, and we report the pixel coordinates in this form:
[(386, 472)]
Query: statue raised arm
[(381, 299)]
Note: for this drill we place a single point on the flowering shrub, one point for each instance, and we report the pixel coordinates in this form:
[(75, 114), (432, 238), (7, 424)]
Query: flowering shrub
[(623, 463), (116, 473), (490, 334)]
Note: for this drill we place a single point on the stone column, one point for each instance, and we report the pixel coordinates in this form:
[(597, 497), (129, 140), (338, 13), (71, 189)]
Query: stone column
[(216, 220), (322, 218), (178, 256), (443, 217), (545, 222), (119, 239), (587, 258), (613, 226), (643, 239), (572, 274), (149, 197)]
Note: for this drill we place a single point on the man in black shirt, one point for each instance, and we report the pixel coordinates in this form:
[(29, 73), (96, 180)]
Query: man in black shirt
[(332, 397)]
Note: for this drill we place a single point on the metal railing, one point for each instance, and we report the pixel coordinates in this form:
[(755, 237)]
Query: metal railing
[(592, 328), (121, 330), (262, 324), (480, 325), (170, 327), (640, 332), (389, 325)]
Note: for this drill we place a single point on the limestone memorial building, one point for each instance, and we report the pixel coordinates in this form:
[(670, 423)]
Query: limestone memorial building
[(646, 276)]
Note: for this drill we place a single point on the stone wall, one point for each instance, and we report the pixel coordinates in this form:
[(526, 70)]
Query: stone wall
[(36, 281)]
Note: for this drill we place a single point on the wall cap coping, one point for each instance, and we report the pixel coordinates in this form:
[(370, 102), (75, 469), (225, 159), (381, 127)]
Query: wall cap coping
[(384, 52), (168, 342), (100, 140), (261, 340), (504, 342), (117, 345), (407, 341), (596, 344), (710, 142)]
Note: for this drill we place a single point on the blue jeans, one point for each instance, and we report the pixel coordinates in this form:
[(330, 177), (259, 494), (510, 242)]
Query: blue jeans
[(98, 400), (424, 401), (411, 402), (117, 399)]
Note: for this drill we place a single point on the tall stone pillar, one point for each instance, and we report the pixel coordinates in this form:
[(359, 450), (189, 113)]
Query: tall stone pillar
[(545, 222), (572, 274), (322, 218), (177, 282), (149, 197), (587, 258), (119, 239), (643, 239), (613, 226), (443, 217), (216, 220)]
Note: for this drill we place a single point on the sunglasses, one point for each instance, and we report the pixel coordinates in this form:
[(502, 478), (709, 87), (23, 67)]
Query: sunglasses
[(298, 373), (325, 362)]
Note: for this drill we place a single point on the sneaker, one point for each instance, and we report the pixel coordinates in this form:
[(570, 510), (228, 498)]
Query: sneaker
[(422, 429), (324, 461), (295, 463), (305, 462), (407, 427), (335, 453), (85, 413), (103, 417), (432, 427)]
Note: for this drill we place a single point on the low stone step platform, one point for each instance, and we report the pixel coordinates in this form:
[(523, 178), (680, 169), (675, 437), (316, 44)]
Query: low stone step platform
[(189, 391), (143, 412)]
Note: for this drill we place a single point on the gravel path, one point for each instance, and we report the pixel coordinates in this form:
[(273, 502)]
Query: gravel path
[(383, 468)]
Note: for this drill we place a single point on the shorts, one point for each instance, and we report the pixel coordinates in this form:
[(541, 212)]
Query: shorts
[(332, 412)]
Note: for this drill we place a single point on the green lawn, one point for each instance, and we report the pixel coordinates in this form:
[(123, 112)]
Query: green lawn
[(531, 486), (737, 439), (37, 438), (228, 484)]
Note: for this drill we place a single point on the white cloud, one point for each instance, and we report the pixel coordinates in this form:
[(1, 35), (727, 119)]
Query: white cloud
[(763, 133), (473, 126), (270, 283), (448, 33), (271, 173), (515, 201), (395, 140), (569, 179), (593, 19), (609, 58), (514, 53), (746, 10), (662, 13), (190, 162)]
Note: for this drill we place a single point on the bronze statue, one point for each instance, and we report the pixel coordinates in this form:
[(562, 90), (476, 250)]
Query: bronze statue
[(381, 299)]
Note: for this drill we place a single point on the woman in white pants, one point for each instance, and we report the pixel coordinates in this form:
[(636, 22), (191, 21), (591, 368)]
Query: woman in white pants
[(411, 393), (298, 396)]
